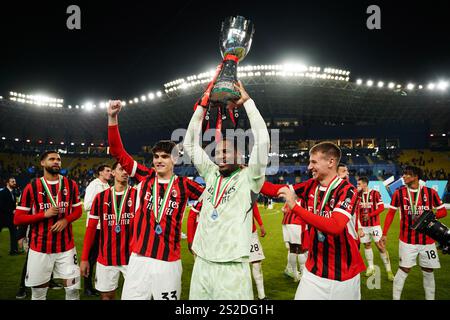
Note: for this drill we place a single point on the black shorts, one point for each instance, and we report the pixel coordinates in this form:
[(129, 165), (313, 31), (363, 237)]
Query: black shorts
[(21, 231)]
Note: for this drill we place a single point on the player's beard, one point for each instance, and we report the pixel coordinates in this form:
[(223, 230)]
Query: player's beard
[(228, 169), (53, 170)]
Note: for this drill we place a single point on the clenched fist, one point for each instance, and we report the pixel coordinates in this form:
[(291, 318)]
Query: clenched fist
[(114, 107)]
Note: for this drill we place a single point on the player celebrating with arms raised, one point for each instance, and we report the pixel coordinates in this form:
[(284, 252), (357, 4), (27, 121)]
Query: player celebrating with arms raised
[(49, 205), (412, 200), (223, 236), (334, 263), (154, 270), (113, 210)]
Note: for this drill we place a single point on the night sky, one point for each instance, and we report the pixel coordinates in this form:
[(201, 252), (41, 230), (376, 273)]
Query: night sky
[(128, 48)]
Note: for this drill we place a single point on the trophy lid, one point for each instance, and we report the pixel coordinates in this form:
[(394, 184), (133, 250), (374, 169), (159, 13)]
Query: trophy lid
[(236, 36)]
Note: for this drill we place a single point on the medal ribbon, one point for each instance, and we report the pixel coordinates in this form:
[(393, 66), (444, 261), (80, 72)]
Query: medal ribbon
[(158, 211), (333, 183), (49, 193), (366, 201), (218, 192), (414, 204), (118, 211)]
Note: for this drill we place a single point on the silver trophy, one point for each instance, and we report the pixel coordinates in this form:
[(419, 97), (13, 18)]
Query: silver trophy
[(235, 42)]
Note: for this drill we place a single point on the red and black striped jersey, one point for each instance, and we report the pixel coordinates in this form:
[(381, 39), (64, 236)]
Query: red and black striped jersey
[(428, 199), (367, 204), (34, 202), (166, 245), (131, 166), (114, 247), (333, 257)]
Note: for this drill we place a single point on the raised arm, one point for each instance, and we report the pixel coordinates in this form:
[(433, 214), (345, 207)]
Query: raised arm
[(116, 148), (259, 155)]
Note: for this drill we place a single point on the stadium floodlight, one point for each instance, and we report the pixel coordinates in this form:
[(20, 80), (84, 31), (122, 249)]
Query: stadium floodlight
[(136, 100), (159, 94), (410, 86), (82, 143), (431, 135), (92, 144), (143, 98), (431, 86), (444, 135), (380, 84), (72, 144), (391, 85), (151, 96), (51, 142), (369, 83), (62, 143), (3, 138), (420, 86), (359, 82), (102, 105), (1, 97), (89, 106), (130, 101), (28, 140), (16, 139), (442, 85), (399, 86), (69, 106), (124, 103)]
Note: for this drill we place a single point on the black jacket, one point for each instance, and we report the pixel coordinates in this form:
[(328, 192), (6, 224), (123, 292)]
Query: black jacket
[(7, 204)]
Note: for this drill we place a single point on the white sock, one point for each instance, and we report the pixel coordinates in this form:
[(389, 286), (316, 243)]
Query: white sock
[(429, 285), (386, 261), (288, 266), (259, 280), (292, 261), (302, 260), (73, 292), (369, 257), (39, 293), (399, 282)]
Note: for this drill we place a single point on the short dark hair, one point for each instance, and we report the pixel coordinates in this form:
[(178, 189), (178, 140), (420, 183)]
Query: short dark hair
[(166, 146), (329, 148), (46, 153), (115, 164), (414, 171), (364, 179), (10, 177), (102, 167), (342, 165)]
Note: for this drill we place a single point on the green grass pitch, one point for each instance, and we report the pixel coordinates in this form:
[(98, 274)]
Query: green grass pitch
[(277, 285)]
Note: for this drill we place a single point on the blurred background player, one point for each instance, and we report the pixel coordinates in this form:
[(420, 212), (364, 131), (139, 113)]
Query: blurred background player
[(222, 241), (257, 253), (412, 199), (154, 269), (50, 205), (192, 223), (112, 210), (344, 174), (370, 205), (7, 207), (294, 233), (294, 230), (99, 184), (334, 262)]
